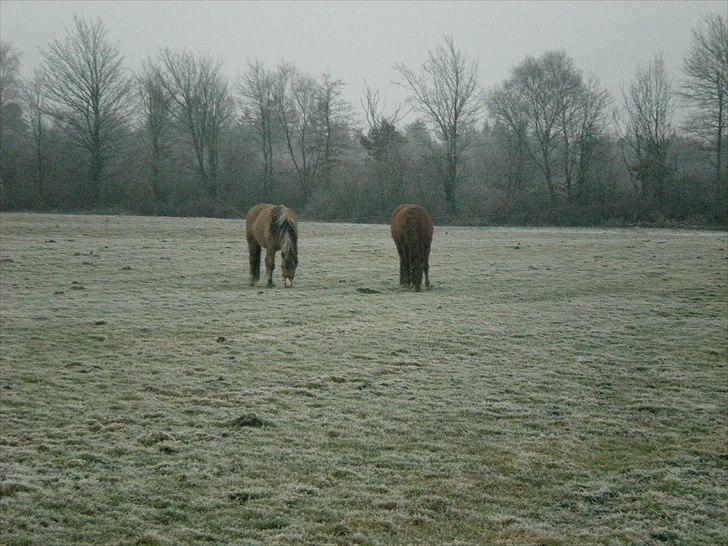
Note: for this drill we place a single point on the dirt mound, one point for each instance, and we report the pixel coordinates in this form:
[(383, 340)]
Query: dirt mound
[(248, 420), (367, 291)]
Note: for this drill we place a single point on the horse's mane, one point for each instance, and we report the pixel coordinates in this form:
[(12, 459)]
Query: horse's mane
[(283, 226)]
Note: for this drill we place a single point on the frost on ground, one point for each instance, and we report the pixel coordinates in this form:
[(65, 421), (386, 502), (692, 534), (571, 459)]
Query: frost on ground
[(556, 386)]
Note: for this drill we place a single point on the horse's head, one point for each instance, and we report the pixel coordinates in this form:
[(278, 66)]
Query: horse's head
[(289, 255), (283, 227)]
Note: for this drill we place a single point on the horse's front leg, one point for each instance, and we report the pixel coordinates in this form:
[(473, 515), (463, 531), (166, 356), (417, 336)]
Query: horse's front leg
[(254, 251), (270, 264)]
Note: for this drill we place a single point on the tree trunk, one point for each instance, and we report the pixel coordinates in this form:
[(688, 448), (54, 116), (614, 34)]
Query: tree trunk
[(452, 206), (269, 165), (584, 160), (97, 168), (547, 171), (157, 182), (40, 179), (450, 182), (719, 143), (304, 179), (40, 164), (159, 194), (550, 183), (201, 170), (267, 150), (212, 165), (566, 159)]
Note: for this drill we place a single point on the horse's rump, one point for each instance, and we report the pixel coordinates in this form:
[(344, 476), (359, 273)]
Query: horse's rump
[(412, 230), (267, 224)]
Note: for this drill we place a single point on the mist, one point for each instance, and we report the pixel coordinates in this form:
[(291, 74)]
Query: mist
[(358, 55)]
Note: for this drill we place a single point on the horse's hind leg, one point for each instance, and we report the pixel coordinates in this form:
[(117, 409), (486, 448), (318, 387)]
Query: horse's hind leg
[(403, 266), (270, 264), (416, 274), (418, 266), (254, 252), (426, 269)]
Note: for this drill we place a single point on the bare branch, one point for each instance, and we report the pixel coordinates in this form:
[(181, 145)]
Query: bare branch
[(446, 91), (88, 93)]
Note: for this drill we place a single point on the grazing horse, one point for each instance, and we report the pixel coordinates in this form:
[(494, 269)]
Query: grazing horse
[(274, 227), (412, 233)]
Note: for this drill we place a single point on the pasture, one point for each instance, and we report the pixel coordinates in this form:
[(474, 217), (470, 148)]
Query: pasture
[(557, 386)]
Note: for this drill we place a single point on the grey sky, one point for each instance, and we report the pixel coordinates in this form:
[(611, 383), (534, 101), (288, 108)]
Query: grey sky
[(358, 40)]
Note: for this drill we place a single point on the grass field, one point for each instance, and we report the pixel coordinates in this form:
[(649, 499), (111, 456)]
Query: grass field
[(556, 386)]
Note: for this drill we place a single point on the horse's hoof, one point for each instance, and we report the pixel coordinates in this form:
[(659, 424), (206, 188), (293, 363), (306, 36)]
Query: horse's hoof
[(288, 283)]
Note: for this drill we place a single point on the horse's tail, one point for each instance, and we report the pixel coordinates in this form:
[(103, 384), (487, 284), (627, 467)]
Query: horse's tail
[(283, 226)]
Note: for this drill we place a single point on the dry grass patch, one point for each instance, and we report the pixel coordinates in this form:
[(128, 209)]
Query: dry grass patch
[(556, 386)]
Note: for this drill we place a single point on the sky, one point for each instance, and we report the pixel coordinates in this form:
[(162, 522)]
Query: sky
[(358, 41)]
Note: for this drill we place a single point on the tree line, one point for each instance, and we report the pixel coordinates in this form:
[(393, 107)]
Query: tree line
[(549, 145)]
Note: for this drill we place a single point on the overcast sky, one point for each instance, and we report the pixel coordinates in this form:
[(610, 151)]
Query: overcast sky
[(363, 40)]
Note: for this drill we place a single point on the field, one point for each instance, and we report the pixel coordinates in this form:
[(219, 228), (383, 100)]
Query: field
[(562, 386)]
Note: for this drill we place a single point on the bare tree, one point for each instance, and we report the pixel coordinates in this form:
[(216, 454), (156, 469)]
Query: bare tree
[(374, 107), (509, 114), (548, 88), (446, 91), (567, 85), (587, 131), (201, 103), (155, 105), (88, 94), (308, 112), (9, 78), (649, 106), (256, 91), (332, 114), (385, 145), (705, 88), (543, 113), (549, 113), (34, 110), (10, 115), (295, 103)]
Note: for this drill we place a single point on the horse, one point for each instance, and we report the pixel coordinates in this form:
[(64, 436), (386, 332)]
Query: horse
[(274, 227), (412, 229)]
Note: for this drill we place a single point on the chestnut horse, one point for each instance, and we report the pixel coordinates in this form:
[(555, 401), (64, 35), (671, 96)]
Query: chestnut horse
[(412, 233), (274, 227)]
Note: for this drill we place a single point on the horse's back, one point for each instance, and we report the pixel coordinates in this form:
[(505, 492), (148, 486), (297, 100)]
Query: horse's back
[(254, 213), (412, 223), (260, 220)]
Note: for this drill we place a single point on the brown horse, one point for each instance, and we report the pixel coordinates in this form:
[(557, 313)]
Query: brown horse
[(274, 227), (412, 233)]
